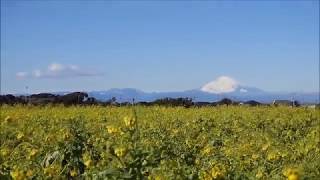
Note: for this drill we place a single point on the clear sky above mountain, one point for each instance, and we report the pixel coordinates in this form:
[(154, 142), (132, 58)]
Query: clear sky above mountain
[(158, 46)]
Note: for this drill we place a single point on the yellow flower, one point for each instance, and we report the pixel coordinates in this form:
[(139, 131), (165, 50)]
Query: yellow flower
[(207, 177), (291, 173), (259, 175), (129, 121), (29, 173), (228, 152), (265, 147), (88, 163), (87, 159), (20, 135), (293, 177), (255, 156), (159, 177), (112, 130), (207, 150), (73, 173), (33, 152), (47, 171), (175, 131), (188, 143), (4, 152), (17, 174), (197, 162), (217, 173), (51, 171), (120, 152), (273, 156)]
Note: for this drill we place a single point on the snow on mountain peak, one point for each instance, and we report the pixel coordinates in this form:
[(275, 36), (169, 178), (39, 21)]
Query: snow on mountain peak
[(222, 84), (243, 90)]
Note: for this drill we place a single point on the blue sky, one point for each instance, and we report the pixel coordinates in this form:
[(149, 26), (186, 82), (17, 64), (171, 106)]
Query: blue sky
[(158, 46)]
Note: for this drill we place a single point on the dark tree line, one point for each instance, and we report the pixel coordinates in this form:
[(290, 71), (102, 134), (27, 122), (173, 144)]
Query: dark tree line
[(46, 98), (82, 98)]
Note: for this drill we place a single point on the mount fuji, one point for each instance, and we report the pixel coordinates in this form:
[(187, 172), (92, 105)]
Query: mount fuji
[(222, 87)]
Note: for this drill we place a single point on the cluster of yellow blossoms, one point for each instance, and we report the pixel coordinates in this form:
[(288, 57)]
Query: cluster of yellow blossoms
[(87, 159), (214, 173), (113, 130), (120, 152), (129, 121), (292, 173)]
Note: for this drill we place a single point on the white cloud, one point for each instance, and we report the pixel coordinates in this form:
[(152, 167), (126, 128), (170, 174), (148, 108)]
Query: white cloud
[(56, 70), (37, 73), (222, 84), (22, 75), (55, 67), (74, 67)]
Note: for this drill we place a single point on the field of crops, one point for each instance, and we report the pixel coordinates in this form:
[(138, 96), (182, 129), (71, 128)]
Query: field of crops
[(56, 142)]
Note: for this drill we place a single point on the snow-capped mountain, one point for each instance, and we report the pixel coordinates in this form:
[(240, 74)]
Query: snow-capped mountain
[(221, 87)]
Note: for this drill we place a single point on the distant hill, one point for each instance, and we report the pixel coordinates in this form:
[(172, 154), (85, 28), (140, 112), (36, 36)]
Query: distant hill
[(241, 93)]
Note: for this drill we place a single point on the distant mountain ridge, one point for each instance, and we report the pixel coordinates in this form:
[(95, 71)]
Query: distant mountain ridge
[(241, 93)]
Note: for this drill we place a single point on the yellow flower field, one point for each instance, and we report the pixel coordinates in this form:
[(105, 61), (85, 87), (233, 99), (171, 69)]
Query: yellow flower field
[(93, 142)]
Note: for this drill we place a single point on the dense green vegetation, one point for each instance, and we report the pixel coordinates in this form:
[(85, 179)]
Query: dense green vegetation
[(92, 142)]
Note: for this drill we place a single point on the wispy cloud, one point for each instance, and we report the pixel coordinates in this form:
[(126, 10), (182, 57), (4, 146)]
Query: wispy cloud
[(222, 84), (56, 70), (21, 75)]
